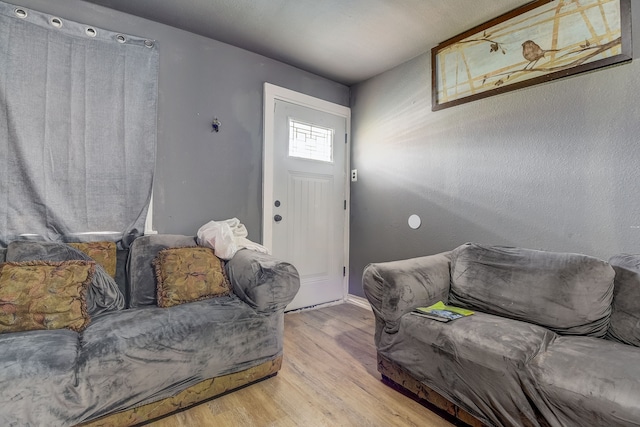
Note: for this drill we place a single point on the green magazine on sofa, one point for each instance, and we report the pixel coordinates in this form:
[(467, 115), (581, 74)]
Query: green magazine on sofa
[(442, 312)]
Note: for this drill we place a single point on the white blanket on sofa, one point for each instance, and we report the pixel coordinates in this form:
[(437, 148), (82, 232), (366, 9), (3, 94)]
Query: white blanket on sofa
[(226, 238)]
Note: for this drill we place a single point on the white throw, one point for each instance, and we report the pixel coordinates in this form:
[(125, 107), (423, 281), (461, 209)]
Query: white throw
[(226, 238)]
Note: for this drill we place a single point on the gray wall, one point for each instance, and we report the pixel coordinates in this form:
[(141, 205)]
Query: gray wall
[(554, 166), (202, 175)]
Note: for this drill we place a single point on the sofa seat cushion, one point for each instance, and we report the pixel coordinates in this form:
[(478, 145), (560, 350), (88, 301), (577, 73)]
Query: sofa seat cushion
[(589, 382), (134, 357), (476, 361), (567, 293), (37, 379)]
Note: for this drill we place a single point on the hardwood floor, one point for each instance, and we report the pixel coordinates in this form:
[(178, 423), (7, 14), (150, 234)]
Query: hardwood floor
[(328, 378)]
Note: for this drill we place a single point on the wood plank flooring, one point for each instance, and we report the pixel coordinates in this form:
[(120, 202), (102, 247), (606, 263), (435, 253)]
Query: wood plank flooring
[(329, 378)]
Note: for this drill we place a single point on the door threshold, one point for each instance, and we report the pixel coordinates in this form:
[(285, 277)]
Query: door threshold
[(316, 306)]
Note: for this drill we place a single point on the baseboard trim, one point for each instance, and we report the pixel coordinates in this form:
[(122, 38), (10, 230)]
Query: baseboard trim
[(350, 299), (359, 301), (315, 307)]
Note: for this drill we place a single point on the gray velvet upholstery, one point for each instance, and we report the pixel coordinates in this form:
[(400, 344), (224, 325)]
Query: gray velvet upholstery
[(38, 377), (625, 319), (398, 287), (476, 361), (121, 275), (567, 293), (588, 381), (508, 364), (151, 353), (140, 271), (131, 357), (262, 281)]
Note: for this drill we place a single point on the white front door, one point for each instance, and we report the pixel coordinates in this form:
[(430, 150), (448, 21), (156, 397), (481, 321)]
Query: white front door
[(307, 205)]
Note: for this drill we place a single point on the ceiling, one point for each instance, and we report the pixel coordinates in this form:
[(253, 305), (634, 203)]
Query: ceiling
[(347, 41)]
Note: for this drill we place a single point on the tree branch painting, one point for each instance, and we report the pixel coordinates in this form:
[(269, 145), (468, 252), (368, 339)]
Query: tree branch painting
[(542, 41)]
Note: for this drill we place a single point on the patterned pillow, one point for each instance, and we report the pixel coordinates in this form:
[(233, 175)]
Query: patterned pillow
[(189, 274), (104, 253), (103, 295), (44, 295)]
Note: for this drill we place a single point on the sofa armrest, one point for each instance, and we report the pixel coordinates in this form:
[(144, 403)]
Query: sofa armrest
[(264, 282), (398, 287)]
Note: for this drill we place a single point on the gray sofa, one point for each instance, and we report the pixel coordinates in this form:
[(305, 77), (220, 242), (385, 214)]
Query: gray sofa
[(552, 342), (134, 364)]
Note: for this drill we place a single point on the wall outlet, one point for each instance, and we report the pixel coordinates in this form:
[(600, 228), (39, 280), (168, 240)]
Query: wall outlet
[(354, 175)]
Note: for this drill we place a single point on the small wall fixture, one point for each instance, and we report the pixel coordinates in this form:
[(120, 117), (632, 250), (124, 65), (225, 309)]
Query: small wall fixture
[(215, 125), (414, 222)]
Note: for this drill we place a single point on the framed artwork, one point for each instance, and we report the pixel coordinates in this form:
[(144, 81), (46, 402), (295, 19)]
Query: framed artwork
[(538, 42)]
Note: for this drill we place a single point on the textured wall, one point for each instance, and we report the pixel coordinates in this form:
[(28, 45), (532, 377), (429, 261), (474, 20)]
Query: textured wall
[(554, 166), (202, 175)]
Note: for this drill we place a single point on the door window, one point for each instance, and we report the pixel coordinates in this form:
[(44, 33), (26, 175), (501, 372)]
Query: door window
[(308, 141)]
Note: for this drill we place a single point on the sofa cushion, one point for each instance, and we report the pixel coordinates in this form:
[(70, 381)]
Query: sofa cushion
[(103, 253), (589, 382), (625, 318), (44, 295), (103, 295), (140, 270), (134, 357), (189, 274), (475, 361), (38, 378), (568, 293)]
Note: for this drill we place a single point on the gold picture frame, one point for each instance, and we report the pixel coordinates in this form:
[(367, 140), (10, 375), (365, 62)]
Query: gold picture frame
[(541, 41)]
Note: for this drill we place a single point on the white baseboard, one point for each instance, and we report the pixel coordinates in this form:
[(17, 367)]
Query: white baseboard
[(314, 307), (350, 299), (359, 301)]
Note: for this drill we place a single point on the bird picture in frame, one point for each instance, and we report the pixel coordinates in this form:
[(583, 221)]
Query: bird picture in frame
[(541, 41)]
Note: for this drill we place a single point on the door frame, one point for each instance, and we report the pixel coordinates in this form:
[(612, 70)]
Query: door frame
[(273, 93)]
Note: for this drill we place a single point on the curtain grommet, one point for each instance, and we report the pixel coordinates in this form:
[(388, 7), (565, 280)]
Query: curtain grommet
[(91, 32), (20, 13), (121, 39), (56, 22), (148, 43)]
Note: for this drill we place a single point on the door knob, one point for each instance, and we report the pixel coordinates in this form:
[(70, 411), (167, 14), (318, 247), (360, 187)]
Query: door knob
[(277, 218)]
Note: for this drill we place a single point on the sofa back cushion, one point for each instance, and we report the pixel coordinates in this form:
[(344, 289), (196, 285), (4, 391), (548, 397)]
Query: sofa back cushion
[(625, 318), (140, 269), (570, 294)]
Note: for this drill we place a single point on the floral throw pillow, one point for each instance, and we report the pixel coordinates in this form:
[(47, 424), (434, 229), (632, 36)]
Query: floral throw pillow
[(189, 274), (44, 295), (104, 253)]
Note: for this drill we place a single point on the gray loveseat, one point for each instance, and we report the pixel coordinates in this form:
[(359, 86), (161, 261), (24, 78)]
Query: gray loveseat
[(135, 364), (552, 341)]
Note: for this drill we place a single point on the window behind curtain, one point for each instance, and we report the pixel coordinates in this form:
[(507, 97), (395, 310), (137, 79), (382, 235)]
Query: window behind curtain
[(77, 129)]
